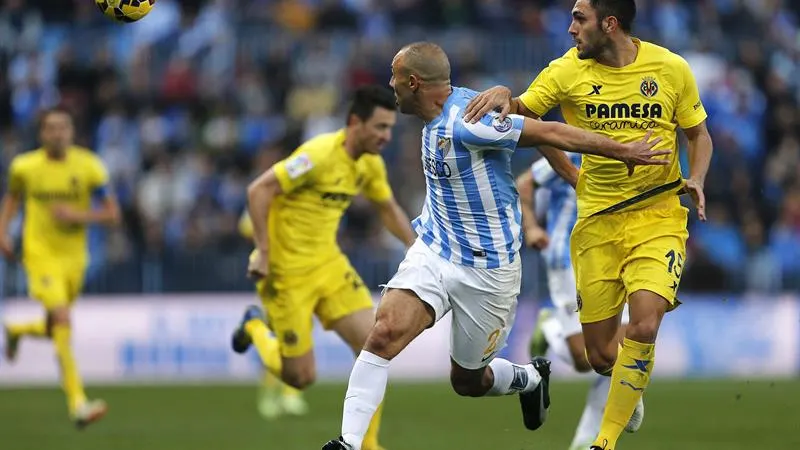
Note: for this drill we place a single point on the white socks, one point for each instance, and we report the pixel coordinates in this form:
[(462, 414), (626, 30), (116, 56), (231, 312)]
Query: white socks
[(364, 394), (554, 335), (511, 378), (589, 425)]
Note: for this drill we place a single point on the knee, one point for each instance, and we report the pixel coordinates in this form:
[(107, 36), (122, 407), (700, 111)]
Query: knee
[(579, 359), (300, 378), (384, 337), (581, 364), (643, 330), (57, 316), (602, 360), (467, 385)]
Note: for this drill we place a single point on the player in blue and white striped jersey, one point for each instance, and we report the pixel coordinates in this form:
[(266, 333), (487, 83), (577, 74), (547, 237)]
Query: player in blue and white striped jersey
[(559, 328), (466, 258)]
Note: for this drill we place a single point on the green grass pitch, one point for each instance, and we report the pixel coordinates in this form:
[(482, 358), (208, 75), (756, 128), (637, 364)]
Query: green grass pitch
[(680, 415)]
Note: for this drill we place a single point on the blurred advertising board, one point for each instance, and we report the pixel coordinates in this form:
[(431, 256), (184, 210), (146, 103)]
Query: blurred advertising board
[(186, 338)]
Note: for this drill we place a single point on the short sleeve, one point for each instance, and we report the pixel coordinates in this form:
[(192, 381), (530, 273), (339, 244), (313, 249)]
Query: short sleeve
[(543, 173), (376, 186), (690, 111), (546, 92), (299, 168), (98, 178), (245, 225), (491, 133), (16, 178)]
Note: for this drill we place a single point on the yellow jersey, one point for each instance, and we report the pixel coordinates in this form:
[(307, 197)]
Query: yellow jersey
[(656, 92), (246, 226), (318, 180), (44, 183)]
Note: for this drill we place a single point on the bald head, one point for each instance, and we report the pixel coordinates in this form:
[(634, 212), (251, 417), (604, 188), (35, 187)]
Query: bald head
[(426, 60)]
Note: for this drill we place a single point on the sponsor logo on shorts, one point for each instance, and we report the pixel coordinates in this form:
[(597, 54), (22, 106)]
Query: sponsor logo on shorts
[(579, 301)]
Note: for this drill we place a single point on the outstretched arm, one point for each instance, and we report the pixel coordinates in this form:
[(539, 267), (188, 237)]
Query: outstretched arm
[(567, 137)]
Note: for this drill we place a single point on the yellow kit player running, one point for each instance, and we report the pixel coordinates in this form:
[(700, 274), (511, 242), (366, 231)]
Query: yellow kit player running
[(297, 206), (57, 184), (629, 243), (275, 398)]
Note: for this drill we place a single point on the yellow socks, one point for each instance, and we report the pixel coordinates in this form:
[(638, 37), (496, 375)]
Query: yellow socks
[(370, 441), (269, 381), (629, 379), (267, 346), (70, 378), (36, 328)]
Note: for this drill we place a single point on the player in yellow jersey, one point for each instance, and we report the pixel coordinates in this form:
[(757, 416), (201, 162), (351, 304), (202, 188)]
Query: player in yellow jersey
[(629, 243), (275, 397), (57, 184), (296, 208)]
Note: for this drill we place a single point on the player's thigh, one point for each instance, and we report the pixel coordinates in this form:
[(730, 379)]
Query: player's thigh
[(289, 303), (657, 242), (75, 278), (49, 287), (342, 294), (421, 272), (413, 300), (564, 295), (484, 303), (597, 258)]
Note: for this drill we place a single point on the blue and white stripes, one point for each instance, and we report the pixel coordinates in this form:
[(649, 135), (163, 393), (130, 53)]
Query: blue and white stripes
[(562, 212), (471, 214)]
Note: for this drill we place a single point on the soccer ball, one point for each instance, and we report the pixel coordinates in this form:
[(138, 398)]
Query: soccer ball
[(126, 11)]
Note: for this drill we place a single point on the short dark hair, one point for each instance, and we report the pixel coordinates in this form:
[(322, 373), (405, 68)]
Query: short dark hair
[(367, 98), (623, 10), (45, 113)]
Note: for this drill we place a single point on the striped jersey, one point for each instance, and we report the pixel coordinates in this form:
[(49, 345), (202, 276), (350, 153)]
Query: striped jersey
[(562, 211), (471, 214)]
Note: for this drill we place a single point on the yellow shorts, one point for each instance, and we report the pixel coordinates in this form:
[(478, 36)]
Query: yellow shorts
[(617, 254), (55, 286), (332, 291)]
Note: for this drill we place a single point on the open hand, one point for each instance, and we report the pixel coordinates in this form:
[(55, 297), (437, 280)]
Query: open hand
[(642, 153), (489, 100), (695, 189)]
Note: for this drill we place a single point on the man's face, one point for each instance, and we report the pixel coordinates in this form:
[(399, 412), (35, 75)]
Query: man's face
[(586, 31), (373, 134), (56, 132), (404, 85)]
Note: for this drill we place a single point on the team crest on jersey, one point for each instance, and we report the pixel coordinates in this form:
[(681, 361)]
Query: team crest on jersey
[(501, 125), (649, 87), (298, 165), (443, 144)]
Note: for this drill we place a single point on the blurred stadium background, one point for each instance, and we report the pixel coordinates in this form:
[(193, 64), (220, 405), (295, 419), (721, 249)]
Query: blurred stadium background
[(191, 103)]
